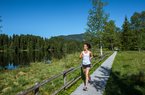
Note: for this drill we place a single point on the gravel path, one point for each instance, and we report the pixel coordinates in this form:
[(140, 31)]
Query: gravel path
[(99, 79)]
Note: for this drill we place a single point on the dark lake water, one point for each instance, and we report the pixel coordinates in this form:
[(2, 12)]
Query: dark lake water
[(13, 60)]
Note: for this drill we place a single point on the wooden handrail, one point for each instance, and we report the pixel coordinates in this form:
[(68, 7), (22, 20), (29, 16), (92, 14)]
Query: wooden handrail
[(36, 87), (33, 88)]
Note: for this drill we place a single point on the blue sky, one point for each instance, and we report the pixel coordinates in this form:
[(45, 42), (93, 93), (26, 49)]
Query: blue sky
[(48, 18)]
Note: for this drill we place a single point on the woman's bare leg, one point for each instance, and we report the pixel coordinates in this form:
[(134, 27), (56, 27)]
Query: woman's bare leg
[(84, 71), (87, 75)]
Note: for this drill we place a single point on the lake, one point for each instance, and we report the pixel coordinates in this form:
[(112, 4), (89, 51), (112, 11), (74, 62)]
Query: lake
[(13, 60)]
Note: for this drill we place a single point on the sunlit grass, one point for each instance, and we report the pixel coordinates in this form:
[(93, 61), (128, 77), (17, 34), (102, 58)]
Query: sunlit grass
[(22, 78), (12, 82), (128, 74), (74, 86)]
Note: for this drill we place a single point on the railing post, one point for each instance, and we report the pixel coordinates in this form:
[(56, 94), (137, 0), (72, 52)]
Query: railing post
[(36, 91), (64, 78)]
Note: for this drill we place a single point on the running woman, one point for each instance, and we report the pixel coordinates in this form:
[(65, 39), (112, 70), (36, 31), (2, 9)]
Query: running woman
[(86, 56)]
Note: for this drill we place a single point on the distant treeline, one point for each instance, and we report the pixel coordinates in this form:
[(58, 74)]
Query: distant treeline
[(31, 43), (100, 31)]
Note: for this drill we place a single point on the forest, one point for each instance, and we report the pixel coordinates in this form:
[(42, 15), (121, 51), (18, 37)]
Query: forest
[(37, 43), (102, 31)]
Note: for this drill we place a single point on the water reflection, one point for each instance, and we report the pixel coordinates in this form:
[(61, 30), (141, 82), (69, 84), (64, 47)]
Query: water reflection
[(13, 60), (11, 66)]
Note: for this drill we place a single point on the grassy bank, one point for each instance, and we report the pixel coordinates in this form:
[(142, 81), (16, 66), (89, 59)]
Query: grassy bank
[(17, 80), (128, 74), (12, 82)]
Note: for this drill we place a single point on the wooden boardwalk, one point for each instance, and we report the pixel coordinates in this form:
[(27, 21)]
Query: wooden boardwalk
[(99, 79)]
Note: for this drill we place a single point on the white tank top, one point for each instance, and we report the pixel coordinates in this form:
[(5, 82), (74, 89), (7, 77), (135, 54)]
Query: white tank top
[(86, 58)]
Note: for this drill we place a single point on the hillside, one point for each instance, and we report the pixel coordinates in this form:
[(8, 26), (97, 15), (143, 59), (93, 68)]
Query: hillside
[(78, 37)]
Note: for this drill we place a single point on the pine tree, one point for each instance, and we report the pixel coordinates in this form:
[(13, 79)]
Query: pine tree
[(138, 26), (126, 35)]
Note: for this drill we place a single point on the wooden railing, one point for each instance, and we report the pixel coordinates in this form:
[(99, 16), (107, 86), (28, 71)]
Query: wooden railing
[(35, 88)]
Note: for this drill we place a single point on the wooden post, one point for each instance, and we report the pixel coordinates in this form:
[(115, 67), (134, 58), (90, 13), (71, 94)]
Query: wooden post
[(64, 79), (101, 51), (36, 91)]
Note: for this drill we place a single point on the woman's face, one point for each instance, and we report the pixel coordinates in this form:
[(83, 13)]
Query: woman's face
[(85, 47)]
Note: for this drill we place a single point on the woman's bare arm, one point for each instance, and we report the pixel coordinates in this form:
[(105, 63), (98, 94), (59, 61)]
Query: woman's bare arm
[(91, 55), (81, 55)]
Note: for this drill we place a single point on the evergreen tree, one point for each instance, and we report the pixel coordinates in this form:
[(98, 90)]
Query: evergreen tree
[(126, 35), (138, 26)]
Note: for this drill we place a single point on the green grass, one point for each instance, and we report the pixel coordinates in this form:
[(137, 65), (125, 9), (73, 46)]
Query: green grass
[(74, 86), (127, 75), (12, 82), (17, 80)]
